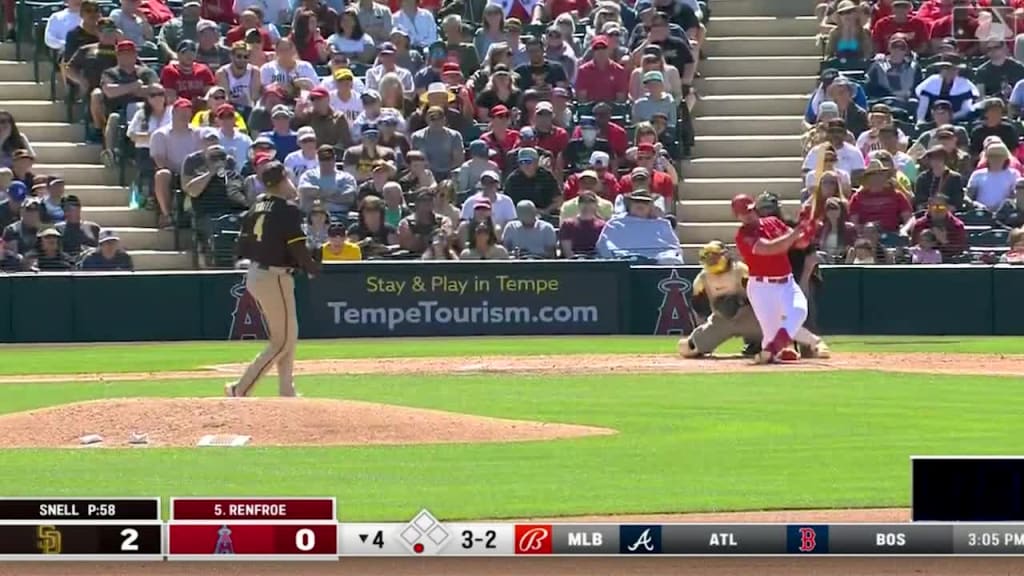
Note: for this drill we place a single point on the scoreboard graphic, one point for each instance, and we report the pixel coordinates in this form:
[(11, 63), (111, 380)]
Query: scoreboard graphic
[(961, 506)]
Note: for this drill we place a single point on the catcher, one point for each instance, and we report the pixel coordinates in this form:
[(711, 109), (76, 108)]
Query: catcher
[(720, 295)]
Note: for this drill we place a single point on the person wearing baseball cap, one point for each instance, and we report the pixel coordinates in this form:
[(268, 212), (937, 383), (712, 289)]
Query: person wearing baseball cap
[(48, 256), (442, 146), (169, 146), (586, 183), (550, 136), (640, 231), (335, 188), (602, 78), (77, 235), (338, 247), (185, 77), (500, 138), (387, 63), (531, 181), (488, 190), (281, 134), (479, 162), (331, 126), (110, 256), (236, 142), (654, 99), (580, 149)]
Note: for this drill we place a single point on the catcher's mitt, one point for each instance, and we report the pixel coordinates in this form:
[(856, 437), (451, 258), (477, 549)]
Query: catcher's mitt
[(728, 306)]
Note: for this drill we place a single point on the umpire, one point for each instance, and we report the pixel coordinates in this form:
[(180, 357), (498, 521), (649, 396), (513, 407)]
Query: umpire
[(275, 245)]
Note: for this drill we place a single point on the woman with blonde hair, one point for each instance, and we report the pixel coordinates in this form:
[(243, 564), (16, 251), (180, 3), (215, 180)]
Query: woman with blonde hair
[(829, 185), (989, 187), (444, 200), (500, 89), (849, 39), (392, 96)]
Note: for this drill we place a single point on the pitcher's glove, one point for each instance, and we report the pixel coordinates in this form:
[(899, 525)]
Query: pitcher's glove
[(728, 306)]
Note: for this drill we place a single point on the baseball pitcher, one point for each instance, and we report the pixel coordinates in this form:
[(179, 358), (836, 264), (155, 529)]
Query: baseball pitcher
[(720, 294)]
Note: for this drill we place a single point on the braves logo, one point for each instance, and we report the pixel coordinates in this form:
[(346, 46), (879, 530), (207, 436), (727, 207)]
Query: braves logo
[(533, 540), (808, 540), (675, 315), (246, 318)]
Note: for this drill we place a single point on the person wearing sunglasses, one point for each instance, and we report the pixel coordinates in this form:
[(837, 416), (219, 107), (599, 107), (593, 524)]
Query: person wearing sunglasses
[(949, 231), (240, 79)]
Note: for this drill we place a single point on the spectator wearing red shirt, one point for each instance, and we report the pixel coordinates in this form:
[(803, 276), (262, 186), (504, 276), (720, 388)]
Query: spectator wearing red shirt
[(962, 27), (607, 185), (555, 8), (932, 10), (879, 201), (220, 11), (500, 138), (310, 45), (661, 183), (184, 77), (552, 138), (250, 20), (608, 130), (916, 31), (882, 9), (950, 234), (602, 79)]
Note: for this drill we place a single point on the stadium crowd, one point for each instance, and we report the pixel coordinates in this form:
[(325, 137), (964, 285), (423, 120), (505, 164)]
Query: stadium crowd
[(913, 134), (462, 129)]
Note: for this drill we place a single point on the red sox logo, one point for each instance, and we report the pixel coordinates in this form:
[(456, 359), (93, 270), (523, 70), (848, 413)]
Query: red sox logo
[(246, 319), (808, 540), (675, 315)]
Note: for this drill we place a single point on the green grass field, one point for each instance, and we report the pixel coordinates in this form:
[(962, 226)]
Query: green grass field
[(687, 442)]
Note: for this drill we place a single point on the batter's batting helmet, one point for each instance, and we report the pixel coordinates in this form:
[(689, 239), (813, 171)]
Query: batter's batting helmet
[(742, 203)]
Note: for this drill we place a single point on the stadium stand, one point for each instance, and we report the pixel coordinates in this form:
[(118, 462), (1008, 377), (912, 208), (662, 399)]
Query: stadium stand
[(455, 114)]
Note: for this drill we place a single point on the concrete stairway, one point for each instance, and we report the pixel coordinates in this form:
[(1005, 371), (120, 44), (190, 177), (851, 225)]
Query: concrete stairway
[(61, 150), (755, 84)]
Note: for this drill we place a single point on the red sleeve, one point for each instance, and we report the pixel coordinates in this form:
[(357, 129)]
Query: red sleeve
[(562, 140), (957, 235), (746, 236), (571, 189), (169, 78), (625, 185), (854, 209), (880, 35), (920, 33), (583, 78), (233, 35), (940, 28), (904, 204), (611, 188), (204, 73), (664, 186)]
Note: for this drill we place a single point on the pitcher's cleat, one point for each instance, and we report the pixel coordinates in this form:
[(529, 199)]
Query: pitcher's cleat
[(788, 355)]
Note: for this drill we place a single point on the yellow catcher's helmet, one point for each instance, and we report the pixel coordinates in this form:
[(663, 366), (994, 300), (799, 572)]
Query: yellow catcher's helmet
[(714, 256)]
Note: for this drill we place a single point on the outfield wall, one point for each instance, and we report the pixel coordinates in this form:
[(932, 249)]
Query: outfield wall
[(487, 298)]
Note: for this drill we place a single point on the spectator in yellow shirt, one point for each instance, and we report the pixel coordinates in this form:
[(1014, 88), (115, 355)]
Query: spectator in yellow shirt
[(338, 248), (216, 96)]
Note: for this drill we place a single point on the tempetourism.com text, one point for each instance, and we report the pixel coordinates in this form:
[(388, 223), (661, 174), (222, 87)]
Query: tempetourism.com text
[(430, 312)]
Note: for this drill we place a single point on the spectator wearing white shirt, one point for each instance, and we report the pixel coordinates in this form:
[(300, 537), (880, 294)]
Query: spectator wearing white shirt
[(274, 11), (338, 63), (989, 187), (60, 23), (503, 210), (350, 39), (287, 71), (848, 157), (236, 143), (387, 63), (529, 236), (344, 99), (305, 158), (417, 22)]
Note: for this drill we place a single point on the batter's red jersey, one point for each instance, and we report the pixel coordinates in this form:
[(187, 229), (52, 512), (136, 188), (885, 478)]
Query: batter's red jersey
[(763, 264)]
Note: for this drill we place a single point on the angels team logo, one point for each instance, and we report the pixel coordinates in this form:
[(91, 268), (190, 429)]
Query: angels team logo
[(224, 543), (246, 319), (675, 315)]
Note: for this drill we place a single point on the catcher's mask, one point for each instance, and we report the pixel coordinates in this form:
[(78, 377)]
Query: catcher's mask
[(714, 257)]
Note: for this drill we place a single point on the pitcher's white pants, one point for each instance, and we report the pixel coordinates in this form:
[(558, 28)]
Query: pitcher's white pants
[(779, 304)]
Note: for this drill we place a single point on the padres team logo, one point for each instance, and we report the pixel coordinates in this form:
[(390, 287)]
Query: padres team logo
[(49, 540)]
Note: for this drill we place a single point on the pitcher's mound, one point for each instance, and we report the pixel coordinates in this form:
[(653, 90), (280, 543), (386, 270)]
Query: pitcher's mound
[(269, 421)]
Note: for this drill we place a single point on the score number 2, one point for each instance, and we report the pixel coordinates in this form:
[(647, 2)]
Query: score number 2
[(488, 539), (130, 535)]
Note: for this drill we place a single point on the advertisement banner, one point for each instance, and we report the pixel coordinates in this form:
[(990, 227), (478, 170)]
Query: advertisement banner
[(661, 299), (485, 298)]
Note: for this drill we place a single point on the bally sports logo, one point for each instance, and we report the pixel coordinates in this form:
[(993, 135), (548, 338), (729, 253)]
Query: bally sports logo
[(534, 539)]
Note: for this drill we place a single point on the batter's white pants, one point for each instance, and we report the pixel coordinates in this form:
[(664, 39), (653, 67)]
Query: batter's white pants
[(779, 304)]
